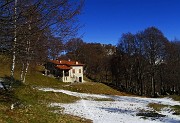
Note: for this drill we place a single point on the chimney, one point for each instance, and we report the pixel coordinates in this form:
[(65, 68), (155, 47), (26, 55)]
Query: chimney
[(76, 62)]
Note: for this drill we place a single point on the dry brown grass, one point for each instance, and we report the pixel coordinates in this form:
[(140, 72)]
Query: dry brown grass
[(93, 88)]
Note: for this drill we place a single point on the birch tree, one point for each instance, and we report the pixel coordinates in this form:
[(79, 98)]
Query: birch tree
[(15, 40), (54, 15), (31, 19)]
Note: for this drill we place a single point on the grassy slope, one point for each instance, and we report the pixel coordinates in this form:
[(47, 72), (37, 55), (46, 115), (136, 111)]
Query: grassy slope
[(93, 88), (32, 105), (159, 107), (176, 108)]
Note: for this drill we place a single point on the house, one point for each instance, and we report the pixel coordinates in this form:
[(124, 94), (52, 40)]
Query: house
[(66, 70)]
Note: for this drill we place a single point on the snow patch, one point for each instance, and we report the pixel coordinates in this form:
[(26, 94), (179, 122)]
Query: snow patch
[(76, 94), (1, 80), (122, 110)]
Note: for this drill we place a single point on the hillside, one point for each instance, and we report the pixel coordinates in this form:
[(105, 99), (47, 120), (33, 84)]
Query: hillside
[(45, 99), (25, 103)]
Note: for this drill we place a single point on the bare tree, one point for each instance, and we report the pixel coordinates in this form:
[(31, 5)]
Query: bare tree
[(154, 45), (55, 48), (6, 27), (31, 20), (73, 47), (127, 46)]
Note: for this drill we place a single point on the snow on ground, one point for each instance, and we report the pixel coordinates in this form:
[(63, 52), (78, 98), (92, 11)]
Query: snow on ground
[(82, 95), (122, 110), (1, 86)]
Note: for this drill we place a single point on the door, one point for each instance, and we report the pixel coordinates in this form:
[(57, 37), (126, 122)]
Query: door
[(80, 79)]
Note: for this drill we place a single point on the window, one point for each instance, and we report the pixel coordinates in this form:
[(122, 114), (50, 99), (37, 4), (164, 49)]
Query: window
[(73, 70), (66, 73), (79, 70)]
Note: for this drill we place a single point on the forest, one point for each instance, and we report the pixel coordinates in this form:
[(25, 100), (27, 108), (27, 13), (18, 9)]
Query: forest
[(145, 63), (33, 31)]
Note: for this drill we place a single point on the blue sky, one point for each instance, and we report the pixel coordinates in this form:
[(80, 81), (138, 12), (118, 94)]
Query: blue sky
[(105, 20)]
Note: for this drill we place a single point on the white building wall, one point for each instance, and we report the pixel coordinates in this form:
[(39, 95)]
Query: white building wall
[(76, 72), (75, 75)]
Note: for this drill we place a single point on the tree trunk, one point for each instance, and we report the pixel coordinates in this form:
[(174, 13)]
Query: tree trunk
[(22, 73), (153, 85), (26, 70), (27, 61), (28, 54), (15, 40)]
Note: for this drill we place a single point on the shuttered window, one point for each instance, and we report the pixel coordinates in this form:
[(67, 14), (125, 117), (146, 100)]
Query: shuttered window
[(73, 70)]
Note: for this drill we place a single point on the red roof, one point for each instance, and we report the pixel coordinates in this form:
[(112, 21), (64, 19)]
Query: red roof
[(65, 62), (63, 67)]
